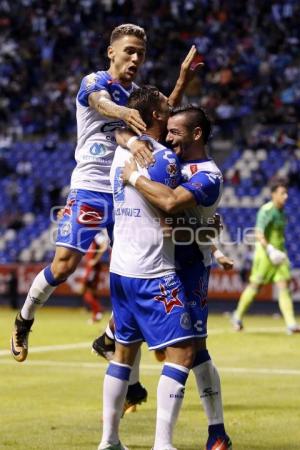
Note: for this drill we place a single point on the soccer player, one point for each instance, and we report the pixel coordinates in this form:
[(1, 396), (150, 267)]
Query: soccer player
[(270, 262), (101, 109), (147, 296), (198, 197)]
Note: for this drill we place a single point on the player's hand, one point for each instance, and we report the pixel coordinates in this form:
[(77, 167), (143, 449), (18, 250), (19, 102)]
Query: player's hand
[(130, 166), (142, 153), (276, 256), (134, 121), (190, 65), (225, 262), (60, 214)]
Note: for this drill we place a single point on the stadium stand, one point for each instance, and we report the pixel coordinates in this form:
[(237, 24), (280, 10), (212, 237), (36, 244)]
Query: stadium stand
[(250, 86)]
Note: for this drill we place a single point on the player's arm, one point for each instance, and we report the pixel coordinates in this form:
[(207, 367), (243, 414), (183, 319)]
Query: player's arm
[(141, 150), (171, 201), (103, 104), (188, 70), (263, 220), (224, 261)]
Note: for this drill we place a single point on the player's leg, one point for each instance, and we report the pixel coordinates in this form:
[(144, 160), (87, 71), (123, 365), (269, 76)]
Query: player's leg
[(114, 393), (104, 346), (65, 262), (195, 280), (129, 339), (75, 234), (163, 316), (246, 299), (170, 392), (209, 388), (286, 307), (261, 273)]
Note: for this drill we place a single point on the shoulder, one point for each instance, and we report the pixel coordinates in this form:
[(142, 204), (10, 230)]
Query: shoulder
[(93, 82)]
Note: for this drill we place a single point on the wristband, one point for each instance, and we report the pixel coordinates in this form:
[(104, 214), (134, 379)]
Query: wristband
[(133, 177), (131, 141), (218, 254)]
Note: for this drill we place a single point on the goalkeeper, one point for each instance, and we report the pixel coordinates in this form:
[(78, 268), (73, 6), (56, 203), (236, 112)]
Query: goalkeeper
[(270, 262)]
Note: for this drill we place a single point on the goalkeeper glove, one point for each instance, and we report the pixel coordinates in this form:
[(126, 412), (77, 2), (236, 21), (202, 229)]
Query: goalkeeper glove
[(276, 256)]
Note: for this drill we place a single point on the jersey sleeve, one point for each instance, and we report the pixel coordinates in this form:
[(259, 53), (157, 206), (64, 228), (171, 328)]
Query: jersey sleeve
[(264, 218), (94, 82), (205, 186)]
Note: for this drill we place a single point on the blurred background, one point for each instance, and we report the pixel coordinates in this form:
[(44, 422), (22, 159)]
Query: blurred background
[(250, 86)]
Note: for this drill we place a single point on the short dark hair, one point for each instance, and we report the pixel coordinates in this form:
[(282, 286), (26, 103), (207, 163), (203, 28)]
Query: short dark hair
[(277, 182), (146, 100), (196, 117), (128, 29)]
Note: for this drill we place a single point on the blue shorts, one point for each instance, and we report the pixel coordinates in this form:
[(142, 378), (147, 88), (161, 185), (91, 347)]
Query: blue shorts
[(154, 310), (84, 214), (195, 278)]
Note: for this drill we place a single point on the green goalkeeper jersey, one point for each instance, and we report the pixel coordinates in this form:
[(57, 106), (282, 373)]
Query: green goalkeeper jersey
[(271, 221)]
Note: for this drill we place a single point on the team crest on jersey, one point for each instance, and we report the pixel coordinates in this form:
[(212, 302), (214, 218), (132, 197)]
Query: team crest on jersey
[(172, 169), (89, 216), (66, 229), (169, 304)]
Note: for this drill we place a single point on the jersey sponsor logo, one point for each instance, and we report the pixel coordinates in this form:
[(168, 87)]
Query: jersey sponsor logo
[(89, 216), (109, 127), (198, 325), (169, 304), (97, 150), (185, 321)]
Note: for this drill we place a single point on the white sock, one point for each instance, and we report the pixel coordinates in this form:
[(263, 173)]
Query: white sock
[(114, 393), (38, 294), (170, 393), (209, 388), (135, 371)]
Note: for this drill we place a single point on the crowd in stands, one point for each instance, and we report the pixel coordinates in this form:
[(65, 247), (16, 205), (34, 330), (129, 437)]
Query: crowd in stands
[(251, 52)]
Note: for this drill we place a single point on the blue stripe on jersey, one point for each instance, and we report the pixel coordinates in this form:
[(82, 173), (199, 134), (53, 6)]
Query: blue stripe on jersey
[(205, 186), (99, 81), (175, 374), (201, 357), (116, 371)]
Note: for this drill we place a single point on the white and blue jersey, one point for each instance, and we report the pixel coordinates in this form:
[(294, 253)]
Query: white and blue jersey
[(90, 204), (204, 180), (141, 249), (96, 142), (147, 296)]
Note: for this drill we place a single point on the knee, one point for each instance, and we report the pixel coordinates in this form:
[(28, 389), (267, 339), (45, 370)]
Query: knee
[(62, 268)]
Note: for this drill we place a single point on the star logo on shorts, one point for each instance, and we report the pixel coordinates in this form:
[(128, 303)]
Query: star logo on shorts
[(169, 305)]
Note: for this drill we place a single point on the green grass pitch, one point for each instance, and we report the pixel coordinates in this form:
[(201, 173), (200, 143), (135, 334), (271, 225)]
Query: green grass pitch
[(53, 401)]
